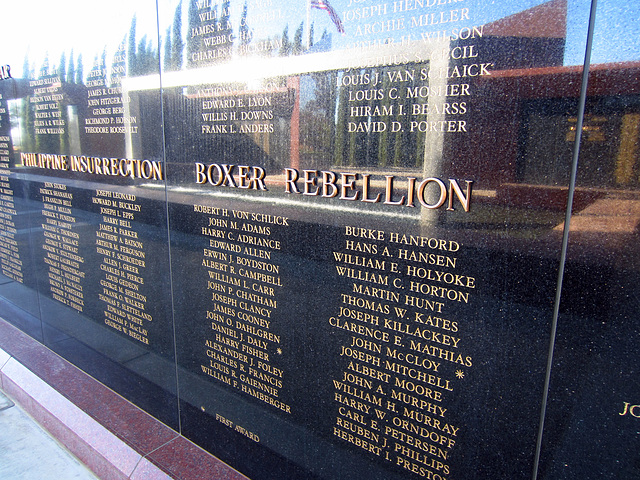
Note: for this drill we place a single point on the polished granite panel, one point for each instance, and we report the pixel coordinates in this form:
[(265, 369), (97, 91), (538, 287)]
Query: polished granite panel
[(591, 429), (326, 241), (85, 200), (366, 233), (17, 277)]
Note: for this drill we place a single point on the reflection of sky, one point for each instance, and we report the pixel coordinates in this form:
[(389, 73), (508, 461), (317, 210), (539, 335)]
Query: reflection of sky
[(51, 27), (617, 35), (40, 27)]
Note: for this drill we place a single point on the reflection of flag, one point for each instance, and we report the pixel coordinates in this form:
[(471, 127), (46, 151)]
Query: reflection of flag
[(324, 5)]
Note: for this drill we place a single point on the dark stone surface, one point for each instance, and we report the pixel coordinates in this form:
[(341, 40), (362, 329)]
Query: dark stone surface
[(299, 287)]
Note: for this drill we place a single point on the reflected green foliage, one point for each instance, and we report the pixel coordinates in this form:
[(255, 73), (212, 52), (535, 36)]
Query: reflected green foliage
[(71, 72), (285, 48), (79, 71), (194, 42), (131, 52), (177, 45), (62, 69), (167, 50), (243, 31), (297, 48)]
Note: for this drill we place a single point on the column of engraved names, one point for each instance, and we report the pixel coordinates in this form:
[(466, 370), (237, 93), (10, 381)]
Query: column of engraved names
[(106, 103), (403, 353), (430, 93), (406, 21), (244, 283), (5, 122), (123, 265), (10, 263), (238, 111), (212, 37), (65, 264), (47, 100)]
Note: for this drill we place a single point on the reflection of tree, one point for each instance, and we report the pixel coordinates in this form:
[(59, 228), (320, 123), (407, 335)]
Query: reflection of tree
[(64, 116), (297, 48), (396, 148), (167, 50), (131, 51), (143, 60), (141, 55), (27, 113), (315, 135), (285, 48), (26, 68), (317, 127), (62, 69), (95, 72), (44, 142), (243, 31), (103, 66), (383, 150), (226, 30), (177, 45), (341, 127), (44, 69), (146, 58), (209, 33), (118, 64), (71, 72), (194, 42), (79, 71), (375, 130)]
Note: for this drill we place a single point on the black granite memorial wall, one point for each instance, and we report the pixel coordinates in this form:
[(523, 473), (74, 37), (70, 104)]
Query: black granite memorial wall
[(345, 239)]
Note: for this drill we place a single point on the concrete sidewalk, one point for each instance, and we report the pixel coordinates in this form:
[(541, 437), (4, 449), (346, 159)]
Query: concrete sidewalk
[(28, 452)]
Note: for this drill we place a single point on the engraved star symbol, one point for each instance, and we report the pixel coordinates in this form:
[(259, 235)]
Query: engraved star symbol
[(459, 374), (279, 351)]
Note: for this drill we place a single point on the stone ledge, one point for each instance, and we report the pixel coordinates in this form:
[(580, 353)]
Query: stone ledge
[(139, 447)]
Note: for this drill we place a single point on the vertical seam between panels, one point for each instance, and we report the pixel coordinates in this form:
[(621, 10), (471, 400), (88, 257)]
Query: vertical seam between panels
[(565, 233), (166, 210)]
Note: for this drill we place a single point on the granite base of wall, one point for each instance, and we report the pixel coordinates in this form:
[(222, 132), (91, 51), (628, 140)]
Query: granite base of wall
[(113, 437)]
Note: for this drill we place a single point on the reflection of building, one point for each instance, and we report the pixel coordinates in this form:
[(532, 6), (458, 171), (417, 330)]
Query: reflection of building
[(529, 39), (227, 124), (373, 130), (533, 113)]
